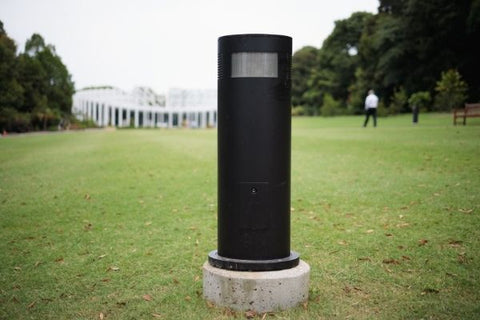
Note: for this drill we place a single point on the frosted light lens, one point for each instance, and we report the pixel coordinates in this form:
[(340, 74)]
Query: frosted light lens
[(254, 65)]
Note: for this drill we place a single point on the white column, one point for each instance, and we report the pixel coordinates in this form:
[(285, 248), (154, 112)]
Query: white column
[(128, 117), (196, 119), (105, 117), (202, 120), (136, 118), (120, 117), (82, 110), (89, 112), (170, 120)]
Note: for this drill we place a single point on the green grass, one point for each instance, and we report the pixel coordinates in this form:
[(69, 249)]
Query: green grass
[(117, 224)]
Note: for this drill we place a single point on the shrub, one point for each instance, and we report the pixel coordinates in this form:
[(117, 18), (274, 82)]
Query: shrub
[(398, 102), (382, 111), (13, 121), (451, 91), (330, 107), (298, 111), (420, 100)]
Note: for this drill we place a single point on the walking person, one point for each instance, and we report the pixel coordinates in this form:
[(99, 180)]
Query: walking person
[(371, 103)]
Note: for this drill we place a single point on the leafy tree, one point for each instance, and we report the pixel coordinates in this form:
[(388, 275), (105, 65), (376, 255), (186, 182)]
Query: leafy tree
[(35, 87), (33, 79), (35, 45), (435, 33), (304, 64), (382, 55), (10, 90), (451, 91), (406, 45), (470, 62), (330, 69), (392, 6), (411, 41), (339, 55), (59, 86)]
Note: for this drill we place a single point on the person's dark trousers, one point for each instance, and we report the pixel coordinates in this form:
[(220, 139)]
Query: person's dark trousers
[(373, 113)]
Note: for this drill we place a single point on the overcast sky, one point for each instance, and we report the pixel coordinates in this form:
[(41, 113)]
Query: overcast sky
[(163, 43)]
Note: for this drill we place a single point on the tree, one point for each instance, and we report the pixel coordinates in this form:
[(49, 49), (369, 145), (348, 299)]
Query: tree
[(407, 44), (339, 55), (451, 91), (33, 79), (59, 86), (48, 87), (10, 90), (330, 69), (35, 86), (411, 41), (304, 64)]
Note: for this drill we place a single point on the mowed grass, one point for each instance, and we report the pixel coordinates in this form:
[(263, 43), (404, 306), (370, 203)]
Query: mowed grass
[(117, 224)]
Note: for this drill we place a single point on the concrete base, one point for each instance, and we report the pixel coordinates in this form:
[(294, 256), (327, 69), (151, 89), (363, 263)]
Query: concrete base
[(262, 291)]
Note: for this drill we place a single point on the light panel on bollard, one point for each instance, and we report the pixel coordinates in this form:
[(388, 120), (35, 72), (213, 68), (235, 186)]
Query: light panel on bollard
[(254, 65)]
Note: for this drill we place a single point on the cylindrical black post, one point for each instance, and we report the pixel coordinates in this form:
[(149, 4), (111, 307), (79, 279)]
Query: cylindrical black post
[(254, 134), (415, 111)]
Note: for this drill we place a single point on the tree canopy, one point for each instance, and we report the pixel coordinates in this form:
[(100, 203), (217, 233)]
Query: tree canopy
[(35, 86), (403, 49)]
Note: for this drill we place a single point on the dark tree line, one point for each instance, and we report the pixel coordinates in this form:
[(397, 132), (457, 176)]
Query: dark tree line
[(421, 52), (35, 86)]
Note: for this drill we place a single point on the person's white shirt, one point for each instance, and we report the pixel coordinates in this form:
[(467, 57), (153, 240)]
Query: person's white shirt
[(371, 101)]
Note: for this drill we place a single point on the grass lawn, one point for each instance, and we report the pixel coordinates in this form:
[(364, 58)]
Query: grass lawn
[(117, 224)]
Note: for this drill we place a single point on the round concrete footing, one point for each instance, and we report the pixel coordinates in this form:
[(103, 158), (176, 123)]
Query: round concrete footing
[(260, 291)]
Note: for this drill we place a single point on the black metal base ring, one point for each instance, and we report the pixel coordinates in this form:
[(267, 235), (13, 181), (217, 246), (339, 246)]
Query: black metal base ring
[(218, 261)]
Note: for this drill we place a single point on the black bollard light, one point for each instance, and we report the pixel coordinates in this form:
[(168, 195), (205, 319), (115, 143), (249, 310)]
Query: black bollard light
[(254, 139)]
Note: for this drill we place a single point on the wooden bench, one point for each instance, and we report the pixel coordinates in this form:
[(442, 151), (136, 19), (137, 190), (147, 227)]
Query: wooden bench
[(471, 110)]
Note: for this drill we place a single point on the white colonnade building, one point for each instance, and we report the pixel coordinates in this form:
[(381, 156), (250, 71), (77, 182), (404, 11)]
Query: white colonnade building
[(109, 106)]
